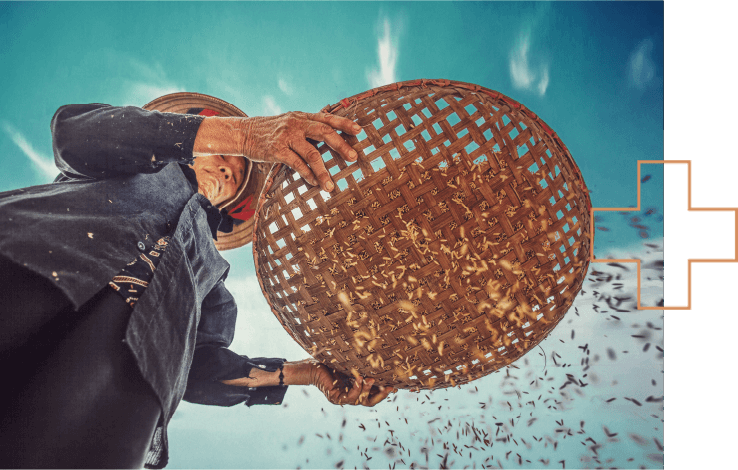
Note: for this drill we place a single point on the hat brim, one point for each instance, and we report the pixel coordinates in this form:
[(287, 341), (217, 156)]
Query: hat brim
[(252, 185)]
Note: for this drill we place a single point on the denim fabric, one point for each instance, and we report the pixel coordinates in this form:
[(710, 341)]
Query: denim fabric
[(121, 187)]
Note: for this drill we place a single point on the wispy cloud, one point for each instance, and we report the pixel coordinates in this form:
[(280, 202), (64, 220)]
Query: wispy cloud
[(151, 83), (270, 106), (285, 86), (41, 163), (641, 68), (524, 74), (388, 51)]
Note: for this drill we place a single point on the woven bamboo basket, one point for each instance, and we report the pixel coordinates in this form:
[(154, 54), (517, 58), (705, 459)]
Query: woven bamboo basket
[(454, 245)]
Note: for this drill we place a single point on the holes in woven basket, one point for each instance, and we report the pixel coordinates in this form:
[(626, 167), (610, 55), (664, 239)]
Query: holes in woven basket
[(514, 132), (416, 120), (391, 116), (544, 185), (361, 135), (377, 164), (377, 123), (471, 147), (426, 135), (442, 104), (386, 139), (409, 145), (505, 119), (400, 129), (437, 128), (479, 122), (533, 168), (394, 154), (488, 134), (470, 109), (559, 215), (453, 119)]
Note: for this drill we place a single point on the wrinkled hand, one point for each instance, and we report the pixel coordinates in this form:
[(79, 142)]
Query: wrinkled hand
[(338, 388), (283, 139)]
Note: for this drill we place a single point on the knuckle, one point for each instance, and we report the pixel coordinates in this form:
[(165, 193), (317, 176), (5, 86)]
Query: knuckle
[(314, 156), (323, 129)]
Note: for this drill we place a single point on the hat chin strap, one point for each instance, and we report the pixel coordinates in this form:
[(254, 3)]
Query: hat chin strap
[(243, 211)]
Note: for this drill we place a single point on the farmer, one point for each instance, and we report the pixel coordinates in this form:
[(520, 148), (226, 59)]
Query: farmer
[(113, 303)]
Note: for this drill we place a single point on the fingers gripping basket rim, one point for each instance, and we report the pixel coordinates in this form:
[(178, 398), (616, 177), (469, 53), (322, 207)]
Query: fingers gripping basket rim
[(543, 132)]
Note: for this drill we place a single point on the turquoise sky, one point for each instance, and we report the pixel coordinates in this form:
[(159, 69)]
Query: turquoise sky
[(593, 71)]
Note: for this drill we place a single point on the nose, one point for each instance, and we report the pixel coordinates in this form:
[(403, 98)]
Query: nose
[(226, 171)]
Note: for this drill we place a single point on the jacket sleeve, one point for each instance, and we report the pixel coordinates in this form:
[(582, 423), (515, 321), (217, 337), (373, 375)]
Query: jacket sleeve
[(213, 361), (102, 141)]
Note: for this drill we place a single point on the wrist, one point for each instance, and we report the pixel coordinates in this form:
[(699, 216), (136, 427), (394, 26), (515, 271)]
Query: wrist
[(300, 372), (249, 135)]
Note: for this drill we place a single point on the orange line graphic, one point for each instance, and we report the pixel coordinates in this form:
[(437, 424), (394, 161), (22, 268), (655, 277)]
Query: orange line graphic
[(689, 208)]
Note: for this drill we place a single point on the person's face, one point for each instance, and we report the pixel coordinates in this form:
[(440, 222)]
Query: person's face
[(219, 176)]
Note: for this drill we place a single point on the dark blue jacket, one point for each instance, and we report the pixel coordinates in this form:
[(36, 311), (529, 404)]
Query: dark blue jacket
[(123, 182)]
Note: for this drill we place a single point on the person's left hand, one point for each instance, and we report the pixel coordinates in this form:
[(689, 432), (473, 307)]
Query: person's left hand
[(335, 387)]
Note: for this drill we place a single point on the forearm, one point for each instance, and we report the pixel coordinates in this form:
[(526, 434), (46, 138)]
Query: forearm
[(220, 136), (295, 373), (103, 141)]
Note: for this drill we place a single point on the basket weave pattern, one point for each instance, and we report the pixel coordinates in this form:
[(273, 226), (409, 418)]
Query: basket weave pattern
[(452, 247)]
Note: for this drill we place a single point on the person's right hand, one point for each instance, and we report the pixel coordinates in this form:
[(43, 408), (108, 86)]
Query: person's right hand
[(284, 139)]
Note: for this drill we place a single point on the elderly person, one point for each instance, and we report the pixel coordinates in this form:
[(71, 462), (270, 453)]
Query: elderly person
[(114, 306)]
